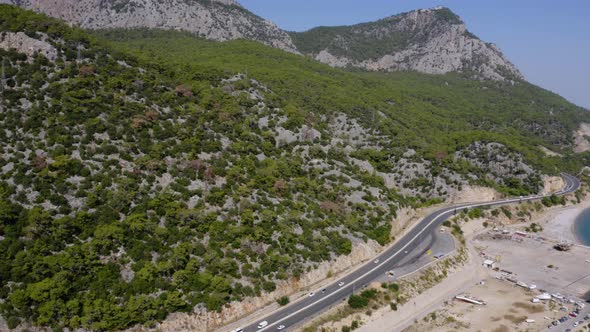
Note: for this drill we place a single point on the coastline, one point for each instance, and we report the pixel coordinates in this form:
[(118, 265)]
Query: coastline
[(575, 231), (560, 224)]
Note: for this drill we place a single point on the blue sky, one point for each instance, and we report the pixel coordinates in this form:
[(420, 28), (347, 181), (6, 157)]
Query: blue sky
[(548, 40)]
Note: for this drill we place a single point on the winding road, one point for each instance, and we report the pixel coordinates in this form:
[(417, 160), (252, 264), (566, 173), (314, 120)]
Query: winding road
[(307, 307)]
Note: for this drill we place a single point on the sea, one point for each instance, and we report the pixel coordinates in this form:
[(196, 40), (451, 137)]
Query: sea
[(582, 227)]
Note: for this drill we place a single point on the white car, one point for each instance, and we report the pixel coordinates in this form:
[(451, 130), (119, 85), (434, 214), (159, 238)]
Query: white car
[(576, 324), (340, 284), (262, 324), (376, 261), (311, 294), (281, 327)]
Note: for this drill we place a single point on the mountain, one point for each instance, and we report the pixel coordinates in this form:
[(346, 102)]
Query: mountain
[(433, 41), (144, 172), (213, 19)]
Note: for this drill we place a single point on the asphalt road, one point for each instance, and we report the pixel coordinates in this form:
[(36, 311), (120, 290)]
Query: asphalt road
[(393, 257)]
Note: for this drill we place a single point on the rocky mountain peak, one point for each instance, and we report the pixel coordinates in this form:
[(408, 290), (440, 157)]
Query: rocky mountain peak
[(433, 41), (219, 20)]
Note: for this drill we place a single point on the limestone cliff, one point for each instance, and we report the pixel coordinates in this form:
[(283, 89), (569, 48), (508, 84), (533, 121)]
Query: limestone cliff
[(213, 19), (433, 41)]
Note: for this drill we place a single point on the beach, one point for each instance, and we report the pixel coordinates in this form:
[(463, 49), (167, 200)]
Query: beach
[(559, 223)]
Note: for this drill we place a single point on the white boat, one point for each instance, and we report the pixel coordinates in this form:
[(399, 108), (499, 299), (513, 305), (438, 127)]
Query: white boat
[(469, 300), (544, 297)]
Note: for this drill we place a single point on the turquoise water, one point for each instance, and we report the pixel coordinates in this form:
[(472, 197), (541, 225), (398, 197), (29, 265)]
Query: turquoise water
[(583, 227)]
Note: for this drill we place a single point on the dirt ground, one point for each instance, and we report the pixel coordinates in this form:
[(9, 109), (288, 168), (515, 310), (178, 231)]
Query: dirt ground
[(507, 309), (537, 262)]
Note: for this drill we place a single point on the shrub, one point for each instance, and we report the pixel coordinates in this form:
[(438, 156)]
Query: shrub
[(283, 301), (357, 302)]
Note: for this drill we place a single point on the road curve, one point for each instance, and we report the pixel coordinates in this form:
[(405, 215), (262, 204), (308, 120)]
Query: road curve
[(309, 306)]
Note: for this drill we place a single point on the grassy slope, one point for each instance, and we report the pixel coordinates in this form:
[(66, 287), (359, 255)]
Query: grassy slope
[(432, 114)]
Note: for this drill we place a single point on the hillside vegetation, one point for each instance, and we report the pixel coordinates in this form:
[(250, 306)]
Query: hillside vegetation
[(435, 114), (144, 176), (433, 41), (366, 40)]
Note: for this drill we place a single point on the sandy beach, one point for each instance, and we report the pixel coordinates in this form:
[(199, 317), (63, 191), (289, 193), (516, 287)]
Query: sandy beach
[(559, 223)]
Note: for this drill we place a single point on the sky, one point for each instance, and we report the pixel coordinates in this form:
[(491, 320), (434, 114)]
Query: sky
[(548, 40)]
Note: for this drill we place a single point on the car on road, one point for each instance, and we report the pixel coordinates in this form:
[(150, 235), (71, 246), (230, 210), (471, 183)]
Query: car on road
[(405, 251), (376, 261), (323, 290), (311, 294), (239, 329), (340, 284), (262, 324), (281, 327)]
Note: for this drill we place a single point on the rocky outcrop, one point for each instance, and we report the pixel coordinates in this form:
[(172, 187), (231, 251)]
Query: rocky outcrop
[(581, 141), (27, 45), (219, 20), (433, 41)]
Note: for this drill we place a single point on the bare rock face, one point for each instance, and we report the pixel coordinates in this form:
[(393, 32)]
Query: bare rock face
[(219, 20), (27, 45), (432, 41)]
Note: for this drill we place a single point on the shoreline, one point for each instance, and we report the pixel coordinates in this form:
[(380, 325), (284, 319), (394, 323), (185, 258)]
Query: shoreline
[(560, 224), (575, 232)]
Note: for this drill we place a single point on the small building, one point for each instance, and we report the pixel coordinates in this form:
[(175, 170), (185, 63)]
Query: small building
[(489, 263)]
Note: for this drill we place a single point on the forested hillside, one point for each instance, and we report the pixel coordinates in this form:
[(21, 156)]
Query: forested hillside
[(433, 41), (157, 172), (434, 114)]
